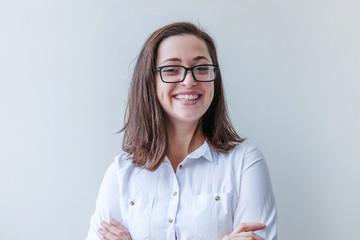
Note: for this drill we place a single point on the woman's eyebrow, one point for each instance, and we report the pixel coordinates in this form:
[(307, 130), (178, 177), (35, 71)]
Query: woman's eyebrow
[(179, 60), (200, 58), (171, 60)]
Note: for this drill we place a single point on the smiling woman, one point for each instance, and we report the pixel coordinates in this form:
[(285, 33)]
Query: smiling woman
[(184, 103), (184, 173)]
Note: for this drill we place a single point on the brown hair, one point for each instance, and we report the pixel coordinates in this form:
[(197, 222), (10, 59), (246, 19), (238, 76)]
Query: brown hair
[(145, 136)]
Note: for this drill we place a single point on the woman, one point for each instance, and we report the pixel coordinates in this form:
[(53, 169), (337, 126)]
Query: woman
[(184, 173)]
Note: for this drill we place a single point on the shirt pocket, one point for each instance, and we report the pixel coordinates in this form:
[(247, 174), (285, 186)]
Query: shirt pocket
[(212, 216), (136, 214)]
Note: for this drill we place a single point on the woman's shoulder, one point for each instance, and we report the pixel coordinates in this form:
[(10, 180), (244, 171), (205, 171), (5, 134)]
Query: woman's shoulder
[(243, 154), (123, 164), (123, 159), (246, 149)]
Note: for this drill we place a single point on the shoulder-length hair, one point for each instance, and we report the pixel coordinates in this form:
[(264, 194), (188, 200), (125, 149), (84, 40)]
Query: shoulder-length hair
[(145, 135)]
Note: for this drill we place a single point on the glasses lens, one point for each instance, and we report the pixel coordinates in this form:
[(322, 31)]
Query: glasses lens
[(172, 74), (205, 73)]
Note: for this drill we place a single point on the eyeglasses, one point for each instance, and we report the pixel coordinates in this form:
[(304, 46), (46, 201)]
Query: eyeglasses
[(176, 73)]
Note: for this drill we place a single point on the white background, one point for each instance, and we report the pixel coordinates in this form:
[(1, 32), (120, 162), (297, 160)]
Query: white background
[(291, 75)]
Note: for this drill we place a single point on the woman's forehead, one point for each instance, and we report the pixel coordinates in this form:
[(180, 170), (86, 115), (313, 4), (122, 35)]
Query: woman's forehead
[(182, 47)]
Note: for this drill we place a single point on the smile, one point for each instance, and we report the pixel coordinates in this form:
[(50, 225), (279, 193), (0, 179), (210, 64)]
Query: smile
[(187, 97)]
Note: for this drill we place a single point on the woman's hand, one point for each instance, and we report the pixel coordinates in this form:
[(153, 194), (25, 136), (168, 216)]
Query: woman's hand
[(245, 232), (114, 231)]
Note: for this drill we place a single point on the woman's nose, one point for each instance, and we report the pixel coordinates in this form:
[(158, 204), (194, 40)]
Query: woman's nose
[(189, 79)]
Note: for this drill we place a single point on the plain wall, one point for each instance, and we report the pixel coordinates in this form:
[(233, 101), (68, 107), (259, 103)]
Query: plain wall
[(291, 75)]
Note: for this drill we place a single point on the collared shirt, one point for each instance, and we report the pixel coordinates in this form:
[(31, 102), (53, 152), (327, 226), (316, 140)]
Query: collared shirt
[(210, 194)]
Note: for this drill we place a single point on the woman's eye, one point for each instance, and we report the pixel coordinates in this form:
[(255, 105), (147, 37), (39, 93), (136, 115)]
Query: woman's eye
[(171, 70), (202, 69)]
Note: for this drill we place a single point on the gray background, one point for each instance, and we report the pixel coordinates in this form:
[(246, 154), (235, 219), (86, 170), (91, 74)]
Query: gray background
[(291, 75)]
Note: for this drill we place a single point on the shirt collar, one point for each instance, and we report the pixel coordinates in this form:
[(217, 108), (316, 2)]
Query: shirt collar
[(206, 152)]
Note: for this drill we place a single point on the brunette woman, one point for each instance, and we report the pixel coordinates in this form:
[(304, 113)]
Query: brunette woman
[(185, 173)]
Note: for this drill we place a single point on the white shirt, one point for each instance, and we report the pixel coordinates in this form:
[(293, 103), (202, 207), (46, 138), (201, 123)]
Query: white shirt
[(209, 195)]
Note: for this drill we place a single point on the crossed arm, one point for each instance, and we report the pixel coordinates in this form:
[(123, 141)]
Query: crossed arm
[(115, 231), (256, 204)]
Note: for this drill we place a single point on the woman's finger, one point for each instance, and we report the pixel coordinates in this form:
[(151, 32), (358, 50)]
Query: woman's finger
[(107, 235), (117, 232), (246, 227), (247, 235), (118, 225)]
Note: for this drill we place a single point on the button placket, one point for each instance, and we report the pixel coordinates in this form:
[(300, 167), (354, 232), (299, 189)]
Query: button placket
[(173, 203), (173, 206)]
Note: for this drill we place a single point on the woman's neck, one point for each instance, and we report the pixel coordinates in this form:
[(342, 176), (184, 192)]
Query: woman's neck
[(182, 140)]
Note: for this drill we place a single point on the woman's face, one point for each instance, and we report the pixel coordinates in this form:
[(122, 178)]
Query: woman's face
[(187, 101)]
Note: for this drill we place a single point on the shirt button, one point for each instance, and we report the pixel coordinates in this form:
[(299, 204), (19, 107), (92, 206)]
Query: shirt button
[(217, 198), (180, 166), (132, 203), (171, 220), (175, 193)]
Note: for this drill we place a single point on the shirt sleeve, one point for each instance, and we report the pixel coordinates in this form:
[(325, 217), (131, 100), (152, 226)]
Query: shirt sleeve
[(107, 205), (256, 201)]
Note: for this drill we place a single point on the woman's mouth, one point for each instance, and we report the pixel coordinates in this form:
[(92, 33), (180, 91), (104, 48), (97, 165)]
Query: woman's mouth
[(187, 97)]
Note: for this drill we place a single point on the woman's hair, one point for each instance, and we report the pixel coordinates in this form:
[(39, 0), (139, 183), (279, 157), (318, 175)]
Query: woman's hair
[(145, 135)]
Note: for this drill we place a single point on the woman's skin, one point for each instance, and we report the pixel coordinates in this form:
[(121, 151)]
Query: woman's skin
[(182, 118), (114, 231)]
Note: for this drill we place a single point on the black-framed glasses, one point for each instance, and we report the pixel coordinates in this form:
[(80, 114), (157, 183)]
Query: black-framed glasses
[(177, 73)]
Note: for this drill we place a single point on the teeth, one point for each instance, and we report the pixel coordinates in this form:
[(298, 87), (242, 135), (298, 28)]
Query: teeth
[(187, 98)]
